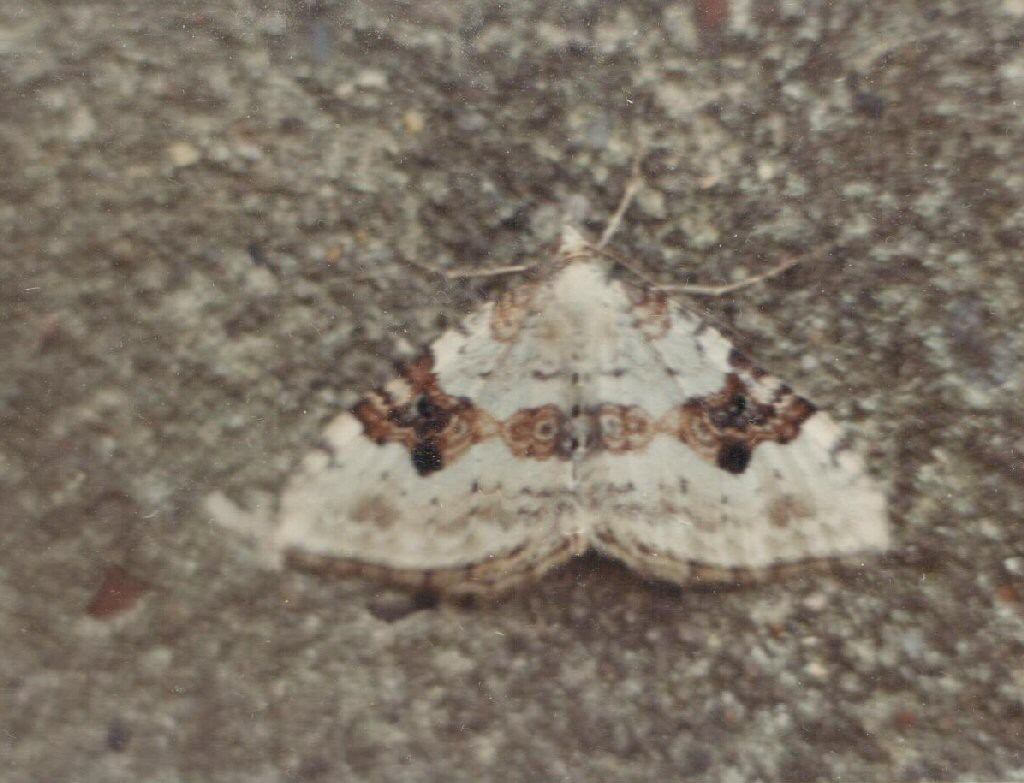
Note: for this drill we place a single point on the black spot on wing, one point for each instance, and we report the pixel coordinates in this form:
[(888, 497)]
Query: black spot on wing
[(734, 456), (426, 457)]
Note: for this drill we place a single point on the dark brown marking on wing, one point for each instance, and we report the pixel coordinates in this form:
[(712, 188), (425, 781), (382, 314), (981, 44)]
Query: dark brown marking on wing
[(725, 427), (415, 412), (539, 433)]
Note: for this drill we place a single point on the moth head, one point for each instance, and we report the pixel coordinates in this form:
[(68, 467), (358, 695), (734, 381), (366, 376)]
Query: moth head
[(573, 245)]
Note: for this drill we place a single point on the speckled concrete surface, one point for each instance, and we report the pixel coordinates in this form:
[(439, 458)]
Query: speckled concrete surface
[(207, 211)]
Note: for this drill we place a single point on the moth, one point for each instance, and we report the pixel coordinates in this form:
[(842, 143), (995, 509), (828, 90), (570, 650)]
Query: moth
[(579, 411)]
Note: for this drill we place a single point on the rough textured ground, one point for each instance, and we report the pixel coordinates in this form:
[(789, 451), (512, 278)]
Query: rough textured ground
[(206, 215)]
